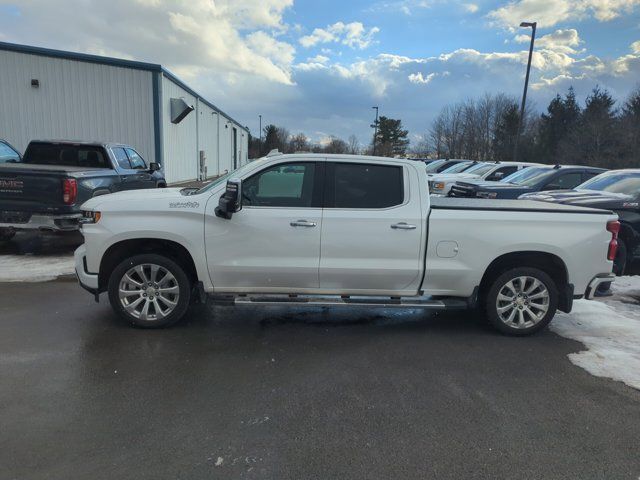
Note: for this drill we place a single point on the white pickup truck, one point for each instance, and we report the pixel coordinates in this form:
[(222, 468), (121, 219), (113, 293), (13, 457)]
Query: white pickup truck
[(340, 230)]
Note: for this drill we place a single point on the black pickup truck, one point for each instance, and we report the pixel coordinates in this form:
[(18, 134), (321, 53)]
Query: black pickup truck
[(43, 189)]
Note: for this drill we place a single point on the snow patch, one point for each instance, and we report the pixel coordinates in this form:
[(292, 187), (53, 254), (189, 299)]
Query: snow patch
[(35, 268), (610, 329)]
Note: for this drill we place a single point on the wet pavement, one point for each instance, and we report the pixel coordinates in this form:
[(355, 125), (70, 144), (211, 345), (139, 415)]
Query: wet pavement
[(296, 393)]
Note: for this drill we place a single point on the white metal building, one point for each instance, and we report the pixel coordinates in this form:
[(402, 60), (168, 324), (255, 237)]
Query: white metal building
[(52, 94)]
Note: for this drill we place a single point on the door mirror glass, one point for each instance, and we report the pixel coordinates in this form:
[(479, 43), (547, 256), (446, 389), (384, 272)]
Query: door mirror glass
[(231, 200), (154, 167)]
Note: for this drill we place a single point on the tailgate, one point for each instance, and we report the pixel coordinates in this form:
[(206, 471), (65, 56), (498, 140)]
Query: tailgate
[(31, 190)]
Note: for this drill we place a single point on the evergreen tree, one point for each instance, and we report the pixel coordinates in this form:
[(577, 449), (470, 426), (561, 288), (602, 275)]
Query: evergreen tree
[(555, 125), (505, 133), (391, 139)]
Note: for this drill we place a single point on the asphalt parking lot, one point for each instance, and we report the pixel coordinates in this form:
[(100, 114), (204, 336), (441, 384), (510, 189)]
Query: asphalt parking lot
[(296, 394)]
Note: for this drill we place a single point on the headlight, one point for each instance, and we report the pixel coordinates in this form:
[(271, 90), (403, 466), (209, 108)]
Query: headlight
[(89, 216), (486, 194)]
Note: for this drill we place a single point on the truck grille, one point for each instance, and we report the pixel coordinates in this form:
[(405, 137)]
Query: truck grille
[(14, 217), (461, 191)]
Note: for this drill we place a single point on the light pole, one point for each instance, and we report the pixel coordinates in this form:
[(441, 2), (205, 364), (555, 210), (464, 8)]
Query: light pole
[(375, 131), (260, 141), (533, 26)]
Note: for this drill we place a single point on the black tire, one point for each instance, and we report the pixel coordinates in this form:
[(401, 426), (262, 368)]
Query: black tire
[(180, 280), (497, 286)]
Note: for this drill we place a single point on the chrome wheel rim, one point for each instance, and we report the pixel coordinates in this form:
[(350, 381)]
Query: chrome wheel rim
[(149, 292), (522, 302)]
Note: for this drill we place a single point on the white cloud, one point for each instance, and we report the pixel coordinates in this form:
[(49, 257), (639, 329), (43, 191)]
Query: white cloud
[(318, 59), (471, 7), (191, 37), (551, 12), (562, 41), (420, 79), (353, 34), (635, 47)]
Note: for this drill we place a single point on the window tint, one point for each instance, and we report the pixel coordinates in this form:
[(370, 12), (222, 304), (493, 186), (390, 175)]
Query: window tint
[(136, 160), (121, 158), (566, 181), (366, 186), (7, 154), (286, 185)]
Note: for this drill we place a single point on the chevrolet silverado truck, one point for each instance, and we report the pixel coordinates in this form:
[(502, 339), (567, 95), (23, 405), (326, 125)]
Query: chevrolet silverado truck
[(534, 179), (311, 229), (44, 189)]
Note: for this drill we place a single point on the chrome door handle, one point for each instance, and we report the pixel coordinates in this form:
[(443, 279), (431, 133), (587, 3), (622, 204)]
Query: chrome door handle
[(303, 223), (403, 226)]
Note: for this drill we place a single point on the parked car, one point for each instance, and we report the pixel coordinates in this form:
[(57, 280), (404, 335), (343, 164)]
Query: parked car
[(8, 154), (439, 166), (340, 230), (532, 179), (617, 190), (441, 183), (45, 188)]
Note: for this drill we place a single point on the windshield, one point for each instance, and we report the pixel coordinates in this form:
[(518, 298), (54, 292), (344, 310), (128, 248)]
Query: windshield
[(481, 169), (235, 173), (628, 183), (434, 166), (458, 167), (528, 176)]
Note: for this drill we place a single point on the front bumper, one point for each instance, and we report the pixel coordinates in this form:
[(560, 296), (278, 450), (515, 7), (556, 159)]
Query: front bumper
[(56, 223), (598, 280), (88, 281)]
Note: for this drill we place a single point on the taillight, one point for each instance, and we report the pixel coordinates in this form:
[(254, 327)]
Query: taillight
[(69, 191), (613, 227)]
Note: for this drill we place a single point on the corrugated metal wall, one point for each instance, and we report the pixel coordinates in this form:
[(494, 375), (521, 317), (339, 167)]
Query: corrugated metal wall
[(76, 100), (203, 129)]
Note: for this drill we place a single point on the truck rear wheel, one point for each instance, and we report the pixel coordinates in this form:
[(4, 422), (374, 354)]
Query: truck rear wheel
[(149, 291), (521, 301)]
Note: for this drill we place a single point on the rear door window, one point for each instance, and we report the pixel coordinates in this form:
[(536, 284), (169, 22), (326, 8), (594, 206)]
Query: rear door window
[(361, 185), (502, 172)]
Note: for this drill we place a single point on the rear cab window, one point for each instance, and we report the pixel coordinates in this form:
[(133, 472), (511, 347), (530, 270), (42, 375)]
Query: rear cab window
[(68, 155), (363, 185)]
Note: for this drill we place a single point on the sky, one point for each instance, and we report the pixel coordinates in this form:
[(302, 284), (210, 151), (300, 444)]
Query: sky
[(317, 67)]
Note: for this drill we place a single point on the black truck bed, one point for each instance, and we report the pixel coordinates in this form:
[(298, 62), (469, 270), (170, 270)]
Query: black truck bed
[(453, 203)]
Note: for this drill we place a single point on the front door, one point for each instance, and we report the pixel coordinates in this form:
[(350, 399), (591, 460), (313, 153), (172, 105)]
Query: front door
[(273, 243), (373, 232)]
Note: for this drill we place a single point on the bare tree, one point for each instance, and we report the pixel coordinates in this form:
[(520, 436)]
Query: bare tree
[(353, 146), (299, 143)]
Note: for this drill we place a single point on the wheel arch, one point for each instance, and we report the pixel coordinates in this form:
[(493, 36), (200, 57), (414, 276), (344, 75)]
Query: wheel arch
[(549, 263), (122, 249)]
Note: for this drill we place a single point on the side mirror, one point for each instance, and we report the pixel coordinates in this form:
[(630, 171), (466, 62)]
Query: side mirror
[(154, 167), (231, 200)]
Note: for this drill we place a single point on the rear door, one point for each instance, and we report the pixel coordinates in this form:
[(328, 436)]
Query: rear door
[(372, 229)]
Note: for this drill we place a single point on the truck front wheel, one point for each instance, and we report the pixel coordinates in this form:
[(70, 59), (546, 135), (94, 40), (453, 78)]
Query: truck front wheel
[(521, 301), (149, 291)]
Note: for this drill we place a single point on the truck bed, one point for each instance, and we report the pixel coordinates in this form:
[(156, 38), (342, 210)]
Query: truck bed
[(453, 203)]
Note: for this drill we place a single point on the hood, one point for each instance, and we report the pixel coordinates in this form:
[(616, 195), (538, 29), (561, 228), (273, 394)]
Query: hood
[(498, 186), (586, 198), (132, 198), (444, 177)]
